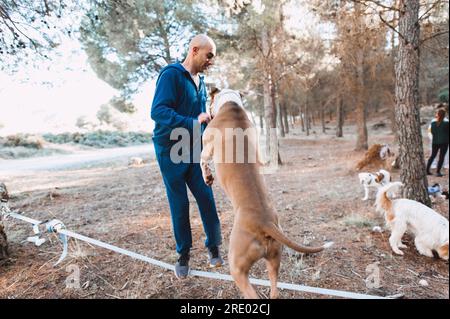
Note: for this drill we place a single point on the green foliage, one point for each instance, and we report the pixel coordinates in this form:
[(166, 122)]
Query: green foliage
[(26, 152), (24, 140), (127, 42), (30, 29), (100, 139), (443, 95), (121, 105)]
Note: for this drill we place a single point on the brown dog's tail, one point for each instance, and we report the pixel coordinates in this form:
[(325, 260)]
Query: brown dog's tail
[(273, 231)]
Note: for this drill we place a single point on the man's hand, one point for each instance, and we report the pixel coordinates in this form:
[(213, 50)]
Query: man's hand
[(204, 118)]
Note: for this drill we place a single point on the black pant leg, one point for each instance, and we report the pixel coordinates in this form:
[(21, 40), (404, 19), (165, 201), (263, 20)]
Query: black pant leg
[(442, 151)]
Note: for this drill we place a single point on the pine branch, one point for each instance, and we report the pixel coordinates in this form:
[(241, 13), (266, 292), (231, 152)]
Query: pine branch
[(379, 4), (390, 26), (429, 9), (433, 36)]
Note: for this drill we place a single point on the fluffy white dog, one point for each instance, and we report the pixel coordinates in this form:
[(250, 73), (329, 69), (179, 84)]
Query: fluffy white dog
[(368, 180), (430, 228)]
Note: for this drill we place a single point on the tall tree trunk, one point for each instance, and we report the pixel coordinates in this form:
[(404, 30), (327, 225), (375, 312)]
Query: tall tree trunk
[(281, 121), (407, 115), (361, 112), (268, 110), (285, 118), (268, 115), (269, 103), (361, 101), (322, 117), (307, 119), (261, 123), (361, 139), (340, 117), (274, 145), (302, 117), (280, 117), (3, 242), (4, 197), (394, 37)]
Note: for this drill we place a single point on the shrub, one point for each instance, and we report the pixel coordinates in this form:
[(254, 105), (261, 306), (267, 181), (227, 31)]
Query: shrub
[(25, 140)]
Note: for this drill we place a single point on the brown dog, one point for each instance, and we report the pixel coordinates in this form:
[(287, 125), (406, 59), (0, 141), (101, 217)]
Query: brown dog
[(377, 156), (256, 233)]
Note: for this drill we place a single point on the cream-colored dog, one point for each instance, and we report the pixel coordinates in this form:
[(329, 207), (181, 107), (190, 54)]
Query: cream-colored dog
[(430, 229), (256, 232)]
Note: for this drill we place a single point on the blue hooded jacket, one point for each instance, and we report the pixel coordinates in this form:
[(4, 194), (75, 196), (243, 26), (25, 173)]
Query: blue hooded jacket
[(177, 103)]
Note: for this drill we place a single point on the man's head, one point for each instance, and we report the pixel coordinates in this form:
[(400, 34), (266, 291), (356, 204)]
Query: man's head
[(202, 52)]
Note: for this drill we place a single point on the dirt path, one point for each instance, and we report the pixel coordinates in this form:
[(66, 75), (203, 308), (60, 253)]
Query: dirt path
[(317, 196), (78, 160)]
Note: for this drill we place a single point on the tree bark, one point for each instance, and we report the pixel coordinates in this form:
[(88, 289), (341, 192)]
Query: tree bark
[(407, 115), (322, 118), (285, 118), (4, 197), (269, 103), (361, 112), (261, 123), (360, 95), (361, 140), (307, 119), (302, 117), (274, 144), (340, 117), (267, 115), (279, 115)]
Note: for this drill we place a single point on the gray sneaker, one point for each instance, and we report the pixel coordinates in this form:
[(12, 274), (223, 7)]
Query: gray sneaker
[(182, 266), (214, 257)]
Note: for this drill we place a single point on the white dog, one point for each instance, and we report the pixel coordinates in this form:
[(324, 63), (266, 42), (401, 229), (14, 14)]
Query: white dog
[(430, 228), (377, 180)]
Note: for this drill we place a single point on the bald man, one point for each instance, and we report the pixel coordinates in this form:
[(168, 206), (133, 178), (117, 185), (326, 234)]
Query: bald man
[(180, 104)]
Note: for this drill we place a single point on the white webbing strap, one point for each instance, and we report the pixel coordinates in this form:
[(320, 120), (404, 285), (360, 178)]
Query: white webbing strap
[(58, 227)]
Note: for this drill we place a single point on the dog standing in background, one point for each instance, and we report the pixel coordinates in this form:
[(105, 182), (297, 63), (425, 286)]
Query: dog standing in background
[(368, 180), (378, 155), (430, 229)]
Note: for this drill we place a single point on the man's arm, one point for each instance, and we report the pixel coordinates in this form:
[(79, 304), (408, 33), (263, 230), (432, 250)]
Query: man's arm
[(164, 103)]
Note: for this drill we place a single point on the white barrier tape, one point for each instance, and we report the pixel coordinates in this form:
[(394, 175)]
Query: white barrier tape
[(24, 218), (212, 275), (117, 249)]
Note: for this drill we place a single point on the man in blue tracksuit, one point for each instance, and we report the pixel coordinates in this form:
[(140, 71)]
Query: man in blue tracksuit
[(180, 104)]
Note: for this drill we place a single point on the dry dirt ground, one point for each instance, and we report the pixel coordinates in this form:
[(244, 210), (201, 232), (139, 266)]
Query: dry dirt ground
[(317, 196)]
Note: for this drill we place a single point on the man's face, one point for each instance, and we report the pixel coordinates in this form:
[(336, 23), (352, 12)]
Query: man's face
[(205, 57)]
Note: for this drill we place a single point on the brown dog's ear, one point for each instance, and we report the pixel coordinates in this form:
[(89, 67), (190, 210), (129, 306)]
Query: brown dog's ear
[(212, 93)]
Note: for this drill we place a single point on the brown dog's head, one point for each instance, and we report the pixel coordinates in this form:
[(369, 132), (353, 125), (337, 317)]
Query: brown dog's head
[(220, 97), (379, 177)]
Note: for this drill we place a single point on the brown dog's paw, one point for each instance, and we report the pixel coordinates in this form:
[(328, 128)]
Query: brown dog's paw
[(209, 179)]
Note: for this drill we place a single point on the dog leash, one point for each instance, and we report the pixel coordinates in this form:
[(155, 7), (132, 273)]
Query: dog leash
[(57, 227)]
